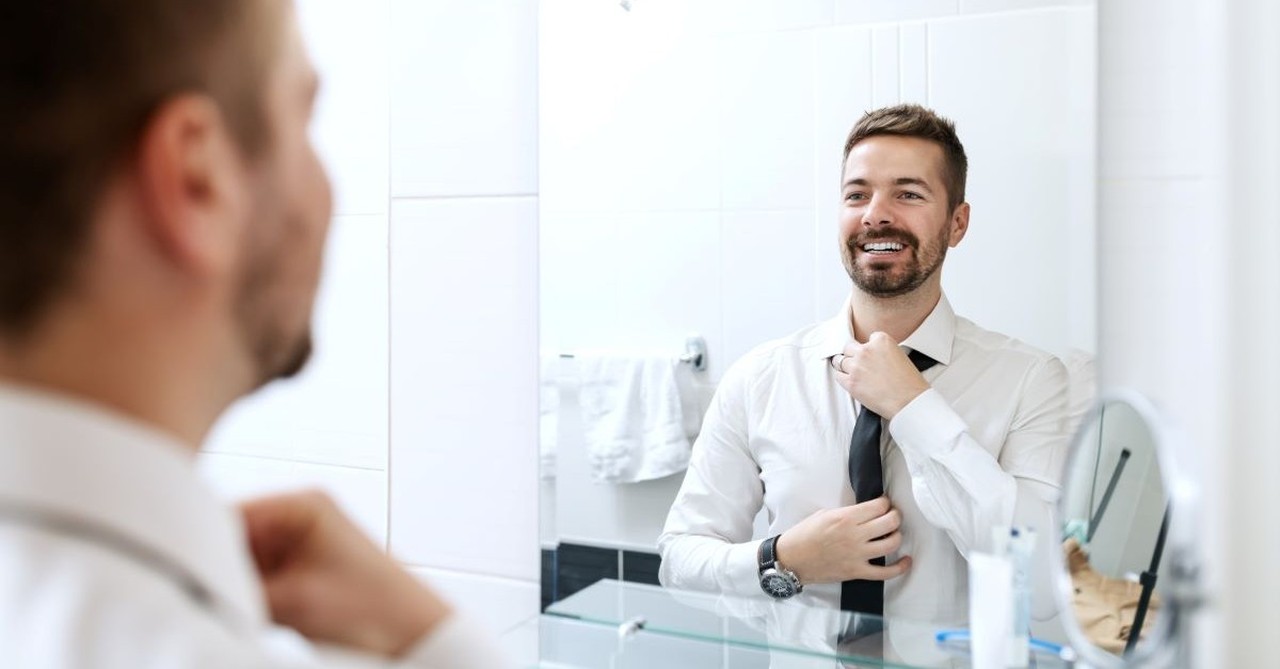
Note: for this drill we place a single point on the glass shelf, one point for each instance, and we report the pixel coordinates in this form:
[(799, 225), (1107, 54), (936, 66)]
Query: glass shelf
[(780, 628)]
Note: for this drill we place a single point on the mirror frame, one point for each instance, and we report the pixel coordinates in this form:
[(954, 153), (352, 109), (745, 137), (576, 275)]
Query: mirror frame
[(1169, 637)]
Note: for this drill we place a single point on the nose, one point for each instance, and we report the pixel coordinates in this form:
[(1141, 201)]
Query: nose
[(876, 213)]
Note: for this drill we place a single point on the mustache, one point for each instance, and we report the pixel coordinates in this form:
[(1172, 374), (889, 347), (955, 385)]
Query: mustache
[(901, 236)]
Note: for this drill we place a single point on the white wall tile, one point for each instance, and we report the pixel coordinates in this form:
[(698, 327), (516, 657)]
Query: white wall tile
[(842, 59), (980, 6), (463, 97), (913, 62), (628, 107), (873, 11), (885, 72), (771, 15), (336, 411), (578, 281), (464, 415), (499, 604), (766, 89), (668, 279), (1031, 163), (768, 276), (361, 493), (348, 43)]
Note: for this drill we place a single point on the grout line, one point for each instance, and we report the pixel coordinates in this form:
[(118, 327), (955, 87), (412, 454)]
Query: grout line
[(277, 458), (481, 196)]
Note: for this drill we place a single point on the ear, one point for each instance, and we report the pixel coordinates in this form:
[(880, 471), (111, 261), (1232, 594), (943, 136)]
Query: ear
[(191, 179), (959, 223)]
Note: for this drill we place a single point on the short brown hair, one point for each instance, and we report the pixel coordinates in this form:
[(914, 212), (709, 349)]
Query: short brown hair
[(910, 120), (79, 81)]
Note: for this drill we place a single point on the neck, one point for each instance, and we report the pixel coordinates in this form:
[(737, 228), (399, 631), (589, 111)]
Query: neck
[(896, 316), (152, 373)]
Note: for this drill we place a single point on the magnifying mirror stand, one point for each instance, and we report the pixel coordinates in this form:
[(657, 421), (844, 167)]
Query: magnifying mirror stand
[(1148, 581)]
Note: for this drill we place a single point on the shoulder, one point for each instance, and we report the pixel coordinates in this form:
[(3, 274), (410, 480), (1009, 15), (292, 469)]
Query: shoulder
[(766, 360), (992, 349)]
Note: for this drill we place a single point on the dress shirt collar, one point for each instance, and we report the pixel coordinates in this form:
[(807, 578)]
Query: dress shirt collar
[(83, 462), (934, 337)]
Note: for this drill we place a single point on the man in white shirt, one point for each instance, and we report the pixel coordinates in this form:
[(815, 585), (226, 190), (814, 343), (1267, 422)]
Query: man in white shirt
[(162, 220), (973, 443)]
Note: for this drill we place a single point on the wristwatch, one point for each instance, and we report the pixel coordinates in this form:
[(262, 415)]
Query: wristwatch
[(776, 581)]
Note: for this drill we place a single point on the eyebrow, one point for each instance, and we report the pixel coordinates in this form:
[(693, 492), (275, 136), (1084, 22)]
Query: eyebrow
[(900, 181)]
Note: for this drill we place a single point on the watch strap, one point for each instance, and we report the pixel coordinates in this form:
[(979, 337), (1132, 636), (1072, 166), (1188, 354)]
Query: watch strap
[(768, 554)]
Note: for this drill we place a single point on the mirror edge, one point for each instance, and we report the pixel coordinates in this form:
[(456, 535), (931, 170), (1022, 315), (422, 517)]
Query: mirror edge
[(1181, 591)]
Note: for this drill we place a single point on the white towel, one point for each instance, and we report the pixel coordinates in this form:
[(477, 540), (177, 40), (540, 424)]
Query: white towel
[(632, 418)]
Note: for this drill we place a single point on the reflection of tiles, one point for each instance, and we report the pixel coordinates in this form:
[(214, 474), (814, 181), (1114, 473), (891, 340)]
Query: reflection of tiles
[(571, 567)]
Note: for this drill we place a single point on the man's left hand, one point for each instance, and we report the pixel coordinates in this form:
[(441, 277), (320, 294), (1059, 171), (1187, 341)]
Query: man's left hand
[(879, 375)]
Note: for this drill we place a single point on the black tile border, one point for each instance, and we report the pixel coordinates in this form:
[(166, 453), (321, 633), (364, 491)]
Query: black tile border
[(570, 567)]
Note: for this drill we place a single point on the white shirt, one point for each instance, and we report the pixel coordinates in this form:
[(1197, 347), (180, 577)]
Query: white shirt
[(983, 448), (111, 545)]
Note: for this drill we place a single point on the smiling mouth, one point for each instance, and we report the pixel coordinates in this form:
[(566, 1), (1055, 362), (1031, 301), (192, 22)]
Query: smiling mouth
[(882, 248)]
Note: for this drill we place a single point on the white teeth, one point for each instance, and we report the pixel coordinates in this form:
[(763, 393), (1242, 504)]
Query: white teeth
[(882, 246)]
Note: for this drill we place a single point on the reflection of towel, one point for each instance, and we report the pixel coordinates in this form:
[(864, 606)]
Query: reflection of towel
[(1105, 606), (632, 420), (548, 415)]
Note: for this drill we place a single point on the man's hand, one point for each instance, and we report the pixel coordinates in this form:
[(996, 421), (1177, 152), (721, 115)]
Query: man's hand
[(835, 545), (326, 580), (879, 375)]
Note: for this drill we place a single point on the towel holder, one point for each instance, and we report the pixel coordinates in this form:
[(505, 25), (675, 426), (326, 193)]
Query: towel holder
[(695, 352)]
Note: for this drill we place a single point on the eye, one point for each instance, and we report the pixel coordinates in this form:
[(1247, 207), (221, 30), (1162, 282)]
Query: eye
[(910, 195), (855, 196)]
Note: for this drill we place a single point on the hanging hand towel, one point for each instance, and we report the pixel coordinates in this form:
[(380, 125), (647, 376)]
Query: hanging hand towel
[(632, 419)]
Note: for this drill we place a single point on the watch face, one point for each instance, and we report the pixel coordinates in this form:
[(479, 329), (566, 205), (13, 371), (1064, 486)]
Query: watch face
[(777, 585)]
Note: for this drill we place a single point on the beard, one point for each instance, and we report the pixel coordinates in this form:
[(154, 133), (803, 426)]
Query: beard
[(263, 306), (885, 280), (274, 351)]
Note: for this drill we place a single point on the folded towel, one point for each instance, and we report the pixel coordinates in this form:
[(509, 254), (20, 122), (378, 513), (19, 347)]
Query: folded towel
[(632, 417)]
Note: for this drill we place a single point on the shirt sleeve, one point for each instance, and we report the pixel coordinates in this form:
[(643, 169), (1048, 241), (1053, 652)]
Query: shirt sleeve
[(706, 544), (965, 490)]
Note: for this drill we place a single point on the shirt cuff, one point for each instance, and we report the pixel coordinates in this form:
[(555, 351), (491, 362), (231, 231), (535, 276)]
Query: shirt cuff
[(744, 569), (456, 642), (927, 427)]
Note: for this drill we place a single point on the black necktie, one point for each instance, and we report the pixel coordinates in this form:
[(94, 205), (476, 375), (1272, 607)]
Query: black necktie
[(866, 473)]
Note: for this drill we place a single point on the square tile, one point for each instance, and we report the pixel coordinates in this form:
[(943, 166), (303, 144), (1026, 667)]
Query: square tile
[(464, 400), (768, 276), (913, 63), (634, 126), (766, 101), (348, 43), (885, 72), (464, 98)]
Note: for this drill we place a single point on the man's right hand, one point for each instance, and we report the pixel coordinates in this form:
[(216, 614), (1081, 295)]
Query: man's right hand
[(325, 579), (834, 545)]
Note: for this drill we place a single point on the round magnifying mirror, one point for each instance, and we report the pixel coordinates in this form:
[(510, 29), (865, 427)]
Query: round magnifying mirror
[(1120, 545)]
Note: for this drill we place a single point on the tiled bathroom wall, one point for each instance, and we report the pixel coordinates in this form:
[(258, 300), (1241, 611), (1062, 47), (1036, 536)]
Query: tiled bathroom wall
[(419, 411)]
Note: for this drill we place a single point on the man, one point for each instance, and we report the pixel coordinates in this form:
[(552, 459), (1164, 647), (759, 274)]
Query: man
[(974, 442), (162, 220)]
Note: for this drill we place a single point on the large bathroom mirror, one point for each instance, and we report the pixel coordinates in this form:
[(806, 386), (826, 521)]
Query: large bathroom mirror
[(690, 157), (1123, 576)]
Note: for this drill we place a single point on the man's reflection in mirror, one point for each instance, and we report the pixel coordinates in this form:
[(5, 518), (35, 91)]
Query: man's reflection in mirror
[(886, 443)]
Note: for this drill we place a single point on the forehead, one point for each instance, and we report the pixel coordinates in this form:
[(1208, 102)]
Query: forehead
[(893, 156)]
